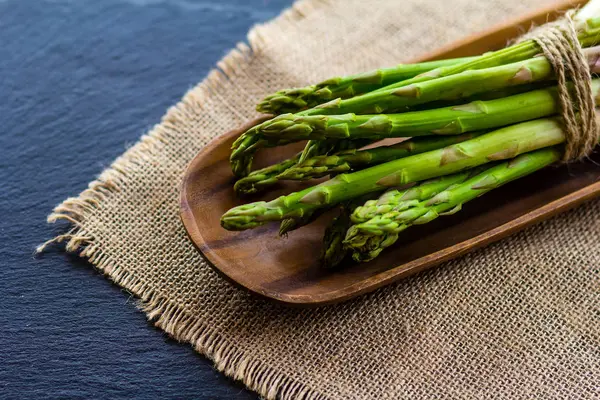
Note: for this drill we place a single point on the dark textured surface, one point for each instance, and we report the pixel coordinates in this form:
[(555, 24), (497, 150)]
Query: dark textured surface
[(80, 81)]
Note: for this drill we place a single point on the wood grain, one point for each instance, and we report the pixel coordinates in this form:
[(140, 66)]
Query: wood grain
[(287, 270)]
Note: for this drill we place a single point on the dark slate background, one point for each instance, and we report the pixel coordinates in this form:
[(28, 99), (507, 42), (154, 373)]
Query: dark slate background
[(80, 81)]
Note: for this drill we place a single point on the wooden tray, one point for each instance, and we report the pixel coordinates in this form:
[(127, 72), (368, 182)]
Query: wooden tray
[(287, 270)]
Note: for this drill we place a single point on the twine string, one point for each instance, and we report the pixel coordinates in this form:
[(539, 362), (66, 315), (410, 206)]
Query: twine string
[(559, 43)]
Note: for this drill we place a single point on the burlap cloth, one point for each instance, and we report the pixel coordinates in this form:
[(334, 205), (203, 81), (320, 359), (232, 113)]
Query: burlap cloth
[(518, 319)]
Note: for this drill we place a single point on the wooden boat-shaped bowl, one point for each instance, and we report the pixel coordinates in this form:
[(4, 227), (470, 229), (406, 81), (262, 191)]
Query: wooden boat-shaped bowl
[(287, 269)]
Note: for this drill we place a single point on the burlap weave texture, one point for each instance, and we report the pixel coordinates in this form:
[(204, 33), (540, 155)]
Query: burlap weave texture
[(519, 319)]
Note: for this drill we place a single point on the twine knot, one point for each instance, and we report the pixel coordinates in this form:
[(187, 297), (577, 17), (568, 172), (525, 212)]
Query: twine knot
[(559, 43)]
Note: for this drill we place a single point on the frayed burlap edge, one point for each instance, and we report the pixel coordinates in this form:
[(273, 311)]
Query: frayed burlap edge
[(164, 314)]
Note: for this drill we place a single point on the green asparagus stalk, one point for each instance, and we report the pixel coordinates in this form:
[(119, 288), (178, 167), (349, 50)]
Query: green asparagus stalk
[(399, 200), (442, 121), (296, 99), (352, 160), (587, 27), (450, 87), (369, 238), (501, 144), (241, 167), (460, 85), (264, 178)]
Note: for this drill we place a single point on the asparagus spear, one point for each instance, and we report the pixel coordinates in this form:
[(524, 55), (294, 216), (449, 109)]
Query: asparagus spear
[(501, 144), (262, 179), (369, 238), (241, 167), (442, 121), (450, 87), (352, 160), (296, 99), (460, 85), (587, 22)]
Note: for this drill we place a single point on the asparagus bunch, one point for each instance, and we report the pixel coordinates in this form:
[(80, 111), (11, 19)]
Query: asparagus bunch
[(289, 127), (446, 107), (443, 121), (501, 144)]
